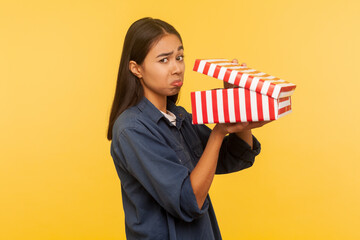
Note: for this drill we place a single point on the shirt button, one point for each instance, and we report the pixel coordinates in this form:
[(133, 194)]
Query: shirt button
[(180, 114)]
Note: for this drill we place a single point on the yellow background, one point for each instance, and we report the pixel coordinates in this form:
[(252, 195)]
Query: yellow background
[(58, 69)]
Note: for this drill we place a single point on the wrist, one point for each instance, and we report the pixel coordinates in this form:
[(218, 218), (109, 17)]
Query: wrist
[(244, 133), (219, 131)]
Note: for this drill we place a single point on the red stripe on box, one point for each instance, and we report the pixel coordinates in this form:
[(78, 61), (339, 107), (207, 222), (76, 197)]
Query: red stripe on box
[(272, 108), (284, 99), (237, 105), (288, 88), (259, 107), (259, 86), (206, 68), (270, 90), (248, 82), (196, 66), (248, 105), (193, 107), (237, 78), (214, 105), (226, 106), (203, 106), (227, 75), (216, 72), (284, 109)]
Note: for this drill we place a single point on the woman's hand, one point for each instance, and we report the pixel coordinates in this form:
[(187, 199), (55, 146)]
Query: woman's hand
[(241, 129), (225, 128)]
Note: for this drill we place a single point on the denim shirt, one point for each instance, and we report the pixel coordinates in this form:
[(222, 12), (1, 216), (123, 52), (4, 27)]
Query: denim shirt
[(154, 159)]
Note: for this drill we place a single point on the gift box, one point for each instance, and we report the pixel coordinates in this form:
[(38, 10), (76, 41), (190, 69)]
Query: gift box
[(259, 97)]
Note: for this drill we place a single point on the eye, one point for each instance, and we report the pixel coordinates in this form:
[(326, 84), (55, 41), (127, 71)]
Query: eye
[(180, 58), (164, 60)]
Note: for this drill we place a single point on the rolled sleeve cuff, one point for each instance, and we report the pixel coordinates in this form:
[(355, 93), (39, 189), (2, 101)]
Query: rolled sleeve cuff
[(237, 143), (189, 204)]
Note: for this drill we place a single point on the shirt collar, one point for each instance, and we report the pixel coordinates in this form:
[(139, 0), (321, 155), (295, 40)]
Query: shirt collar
[(149, 109), (172, 108)]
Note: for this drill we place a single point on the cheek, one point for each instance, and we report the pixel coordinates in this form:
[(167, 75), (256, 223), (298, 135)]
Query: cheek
[(155, 73)]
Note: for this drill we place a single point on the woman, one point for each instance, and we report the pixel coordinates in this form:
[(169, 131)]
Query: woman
[(165, 164)]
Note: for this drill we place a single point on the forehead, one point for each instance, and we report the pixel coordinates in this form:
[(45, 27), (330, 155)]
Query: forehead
[(167, 43)]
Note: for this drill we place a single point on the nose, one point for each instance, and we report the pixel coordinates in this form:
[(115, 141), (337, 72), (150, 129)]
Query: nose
[(177, 67)]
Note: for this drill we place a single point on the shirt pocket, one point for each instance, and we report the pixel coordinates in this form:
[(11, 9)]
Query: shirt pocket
[(183, 156)]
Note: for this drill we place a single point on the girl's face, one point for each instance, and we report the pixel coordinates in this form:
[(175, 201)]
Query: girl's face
[(162, 72)]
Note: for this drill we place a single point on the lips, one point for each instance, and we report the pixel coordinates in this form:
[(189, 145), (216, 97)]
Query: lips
[(177, 83)]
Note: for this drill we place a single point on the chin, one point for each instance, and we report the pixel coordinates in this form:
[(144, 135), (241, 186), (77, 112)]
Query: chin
[(175, 91)]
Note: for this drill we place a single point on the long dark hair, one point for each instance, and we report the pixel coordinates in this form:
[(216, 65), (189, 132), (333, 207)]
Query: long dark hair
[(140, 37)]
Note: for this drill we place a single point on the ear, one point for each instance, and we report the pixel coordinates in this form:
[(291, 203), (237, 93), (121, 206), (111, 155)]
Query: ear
[(135, 69)]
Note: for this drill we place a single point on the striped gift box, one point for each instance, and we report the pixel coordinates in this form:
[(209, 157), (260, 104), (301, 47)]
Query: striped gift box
[(236, 105), (260, 97), (245, 77)]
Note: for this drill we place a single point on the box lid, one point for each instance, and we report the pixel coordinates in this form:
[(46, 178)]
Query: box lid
[(245, 77)]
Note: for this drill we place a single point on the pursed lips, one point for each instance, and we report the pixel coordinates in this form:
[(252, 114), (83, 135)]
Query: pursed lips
[(177, 83)]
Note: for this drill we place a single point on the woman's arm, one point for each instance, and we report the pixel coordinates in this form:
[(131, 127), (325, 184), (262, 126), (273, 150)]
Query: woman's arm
[(203, 174)]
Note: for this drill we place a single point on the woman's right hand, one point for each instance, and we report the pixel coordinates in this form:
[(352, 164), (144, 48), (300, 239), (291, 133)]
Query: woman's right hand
[(225, 128), (241, 129)]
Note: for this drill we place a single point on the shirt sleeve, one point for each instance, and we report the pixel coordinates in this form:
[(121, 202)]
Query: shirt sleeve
[(235, 154), (158, 169)]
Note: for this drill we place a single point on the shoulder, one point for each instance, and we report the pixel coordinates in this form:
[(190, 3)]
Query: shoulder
[(130, 119), (182, 110)]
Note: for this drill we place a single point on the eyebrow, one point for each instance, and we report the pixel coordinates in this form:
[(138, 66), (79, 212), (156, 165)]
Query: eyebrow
[(169, 53)]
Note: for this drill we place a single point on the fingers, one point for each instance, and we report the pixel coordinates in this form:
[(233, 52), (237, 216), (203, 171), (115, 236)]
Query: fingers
[(236, 127), (229, 85), (240, 126), (236, 61), (253, 125)]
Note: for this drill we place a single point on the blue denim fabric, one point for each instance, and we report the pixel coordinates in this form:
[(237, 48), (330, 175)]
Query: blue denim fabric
[(154, 159)]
